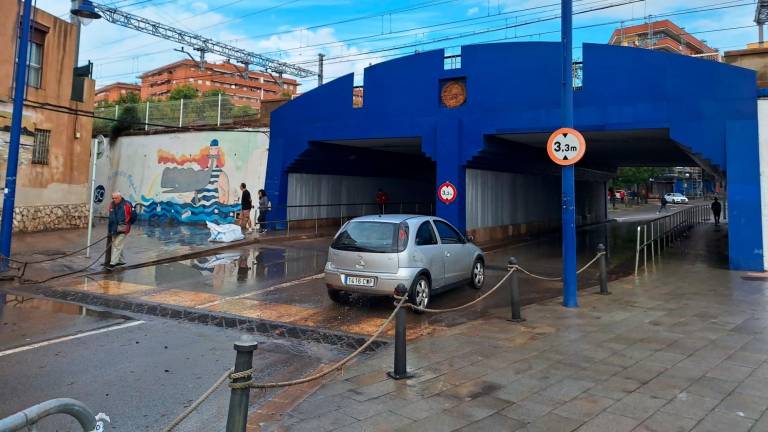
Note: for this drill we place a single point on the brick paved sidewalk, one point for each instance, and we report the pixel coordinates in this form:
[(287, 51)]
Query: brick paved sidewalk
[(683, 349)]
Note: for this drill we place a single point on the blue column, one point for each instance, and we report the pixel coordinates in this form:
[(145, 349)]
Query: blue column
[(568, 189), (449, 167), (20, 85)]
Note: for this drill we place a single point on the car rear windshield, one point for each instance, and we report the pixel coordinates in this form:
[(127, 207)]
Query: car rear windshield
[(377, 237)]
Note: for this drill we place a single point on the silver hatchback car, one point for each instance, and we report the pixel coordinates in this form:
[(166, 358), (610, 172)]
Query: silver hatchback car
[(373, 254)]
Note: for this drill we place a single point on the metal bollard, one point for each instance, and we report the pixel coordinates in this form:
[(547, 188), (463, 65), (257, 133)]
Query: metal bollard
[(108, 251), (514, 294), (237, 416), (603, 270), (401, 365)]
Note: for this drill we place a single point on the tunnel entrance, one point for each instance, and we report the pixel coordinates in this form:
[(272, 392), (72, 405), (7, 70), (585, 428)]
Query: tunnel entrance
[(334, 181)]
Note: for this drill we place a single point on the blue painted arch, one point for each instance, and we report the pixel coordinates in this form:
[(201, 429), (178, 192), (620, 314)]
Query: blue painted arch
[(678, 108)]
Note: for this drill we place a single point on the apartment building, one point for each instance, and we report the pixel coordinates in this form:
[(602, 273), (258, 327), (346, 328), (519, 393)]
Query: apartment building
[(663, 35), (112, 92), (52, 182), (243, 89)]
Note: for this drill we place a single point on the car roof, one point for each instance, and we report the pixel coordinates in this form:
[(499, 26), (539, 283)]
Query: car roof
[(393, 218)]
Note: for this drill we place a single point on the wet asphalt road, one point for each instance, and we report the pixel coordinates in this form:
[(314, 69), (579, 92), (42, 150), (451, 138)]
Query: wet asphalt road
[(141, 374), (283, 282)]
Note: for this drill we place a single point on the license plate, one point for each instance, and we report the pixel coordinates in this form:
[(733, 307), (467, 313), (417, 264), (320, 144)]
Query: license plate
[(359, 281)]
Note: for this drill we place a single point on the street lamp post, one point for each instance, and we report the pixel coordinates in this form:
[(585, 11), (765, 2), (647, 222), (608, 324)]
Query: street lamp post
[(570, 299), (20, 85)]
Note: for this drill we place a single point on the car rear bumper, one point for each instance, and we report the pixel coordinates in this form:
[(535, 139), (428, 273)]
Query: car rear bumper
[(385, 282)]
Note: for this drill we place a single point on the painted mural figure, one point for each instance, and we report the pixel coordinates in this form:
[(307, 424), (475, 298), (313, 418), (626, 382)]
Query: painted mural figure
[(193, 188)]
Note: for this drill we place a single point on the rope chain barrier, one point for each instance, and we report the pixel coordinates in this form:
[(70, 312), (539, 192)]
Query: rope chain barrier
[(464, 306), (338, 365), (550, 278), (24, 264), (177, 421)]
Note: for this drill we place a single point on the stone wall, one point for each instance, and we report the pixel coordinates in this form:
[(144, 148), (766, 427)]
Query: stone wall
[(50, 217)]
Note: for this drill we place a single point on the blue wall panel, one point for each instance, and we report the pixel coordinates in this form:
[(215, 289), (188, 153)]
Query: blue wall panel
[(514, 88)]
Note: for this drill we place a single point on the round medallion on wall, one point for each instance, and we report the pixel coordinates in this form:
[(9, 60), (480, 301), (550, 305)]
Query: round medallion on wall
[(453, 94)]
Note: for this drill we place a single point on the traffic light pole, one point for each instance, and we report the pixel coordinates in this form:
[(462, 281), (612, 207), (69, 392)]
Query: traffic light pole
[(570, 299), (20, 85)]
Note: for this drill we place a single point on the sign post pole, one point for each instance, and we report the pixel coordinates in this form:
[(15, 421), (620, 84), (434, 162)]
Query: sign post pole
[(20, 87), (570, 298)]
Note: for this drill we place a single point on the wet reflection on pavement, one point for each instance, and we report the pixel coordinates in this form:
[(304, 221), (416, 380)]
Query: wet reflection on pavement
[(284, 283)]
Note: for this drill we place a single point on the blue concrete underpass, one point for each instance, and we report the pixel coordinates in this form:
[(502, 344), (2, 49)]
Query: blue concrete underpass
[(680, 111)]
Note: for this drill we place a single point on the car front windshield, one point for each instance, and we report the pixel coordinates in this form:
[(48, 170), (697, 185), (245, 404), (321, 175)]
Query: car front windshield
[(364, 236)]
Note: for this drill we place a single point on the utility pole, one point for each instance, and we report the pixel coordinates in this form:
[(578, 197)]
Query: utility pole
[(20, 86), (568, 172), (320, 69)]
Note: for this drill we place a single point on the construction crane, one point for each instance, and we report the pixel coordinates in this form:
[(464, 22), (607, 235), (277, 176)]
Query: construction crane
[(201, 44)]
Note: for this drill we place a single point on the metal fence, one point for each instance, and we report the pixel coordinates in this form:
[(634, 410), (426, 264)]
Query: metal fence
[(660, 233), (204, 111)]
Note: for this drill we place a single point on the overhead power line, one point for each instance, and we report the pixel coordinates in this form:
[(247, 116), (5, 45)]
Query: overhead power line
[(199, 43)]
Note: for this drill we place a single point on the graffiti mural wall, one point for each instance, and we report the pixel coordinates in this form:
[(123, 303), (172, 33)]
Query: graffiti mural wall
[(190, 177)]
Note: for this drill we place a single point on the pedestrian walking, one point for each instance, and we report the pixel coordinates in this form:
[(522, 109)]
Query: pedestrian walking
[(120, 219), (245, 209), (381, 200), (663, 206), (716, 209), (612, 196), (264, 207)]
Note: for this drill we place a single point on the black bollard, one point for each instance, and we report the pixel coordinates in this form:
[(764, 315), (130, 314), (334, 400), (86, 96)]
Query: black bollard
[(401, 365), (603, 270), (237, 416), (108, 251), (514, 294)]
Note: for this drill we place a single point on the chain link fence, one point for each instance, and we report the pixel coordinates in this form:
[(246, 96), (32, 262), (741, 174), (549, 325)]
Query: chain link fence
[(198, 112)]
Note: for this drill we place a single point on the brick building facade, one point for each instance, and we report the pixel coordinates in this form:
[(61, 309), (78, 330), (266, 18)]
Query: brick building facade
[(226, 77), (112, 92), (665, 36)]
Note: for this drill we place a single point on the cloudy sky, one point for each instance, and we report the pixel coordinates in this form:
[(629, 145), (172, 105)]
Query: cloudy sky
[(356, 33)]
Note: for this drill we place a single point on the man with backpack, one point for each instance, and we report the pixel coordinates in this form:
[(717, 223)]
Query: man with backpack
[(121, 217)]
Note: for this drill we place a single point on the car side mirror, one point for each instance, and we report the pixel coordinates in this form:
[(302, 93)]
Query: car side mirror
[(471, 239)]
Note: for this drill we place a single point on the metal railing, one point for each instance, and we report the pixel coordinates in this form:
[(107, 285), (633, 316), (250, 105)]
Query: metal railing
[(665, 231), (312, 216), (28, 418)]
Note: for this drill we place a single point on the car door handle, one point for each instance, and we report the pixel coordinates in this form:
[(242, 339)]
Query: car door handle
[(447, 254)]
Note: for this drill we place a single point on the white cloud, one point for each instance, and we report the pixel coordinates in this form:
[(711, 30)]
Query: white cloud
[(473, 11)]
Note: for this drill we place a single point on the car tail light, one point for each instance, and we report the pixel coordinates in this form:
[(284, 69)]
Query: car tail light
[(402, 237)]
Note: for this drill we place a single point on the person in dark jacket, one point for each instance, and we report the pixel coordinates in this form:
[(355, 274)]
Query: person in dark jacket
[(120, 220), (264, 207), (245, 209), (716, 209), (663, 206)]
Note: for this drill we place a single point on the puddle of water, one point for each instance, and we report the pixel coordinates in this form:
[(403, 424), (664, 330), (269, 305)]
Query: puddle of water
[(10, 302)]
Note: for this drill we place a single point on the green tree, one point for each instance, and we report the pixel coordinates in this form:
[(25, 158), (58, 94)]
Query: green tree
[(242, 112), (129, 98), (212, 93), (127, 119), (184, 91)]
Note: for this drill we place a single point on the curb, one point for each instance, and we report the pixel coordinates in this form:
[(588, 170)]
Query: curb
[(269, 328)]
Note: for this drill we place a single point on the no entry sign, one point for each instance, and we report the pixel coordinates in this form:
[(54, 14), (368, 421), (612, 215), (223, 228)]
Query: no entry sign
[(447, 192), (566, 146)]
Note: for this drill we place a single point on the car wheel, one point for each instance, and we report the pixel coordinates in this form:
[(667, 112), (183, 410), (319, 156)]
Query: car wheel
[(478, 274), (420, 292), (337, 296)]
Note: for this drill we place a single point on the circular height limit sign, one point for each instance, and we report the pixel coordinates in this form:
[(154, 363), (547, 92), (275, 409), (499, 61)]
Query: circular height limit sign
[(566, 146), (447, 192)]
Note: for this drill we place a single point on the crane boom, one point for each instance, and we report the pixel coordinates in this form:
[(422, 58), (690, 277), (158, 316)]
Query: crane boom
[(200, 43)]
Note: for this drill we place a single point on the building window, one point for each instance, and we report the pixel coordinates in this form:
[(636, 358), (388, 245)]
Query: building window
[(41, 146)]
